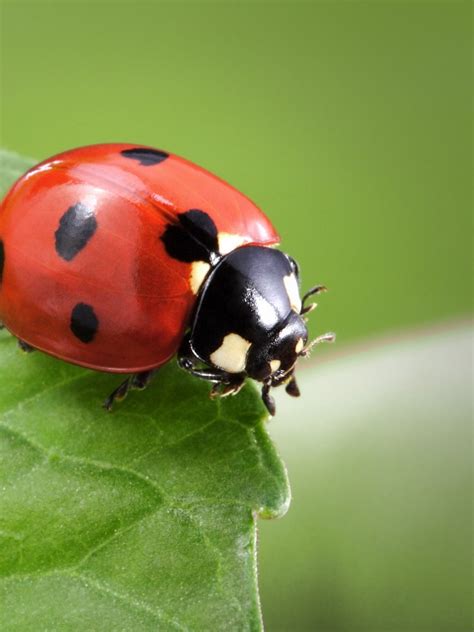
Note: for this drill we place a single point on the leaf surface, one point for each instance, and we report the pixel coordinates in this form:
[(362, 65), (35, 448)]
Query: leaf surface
[(139, 519)]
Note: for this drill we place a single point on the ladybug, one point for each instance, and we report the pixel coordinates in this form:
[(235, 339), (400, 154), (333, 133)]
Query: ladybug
[(116, 257)]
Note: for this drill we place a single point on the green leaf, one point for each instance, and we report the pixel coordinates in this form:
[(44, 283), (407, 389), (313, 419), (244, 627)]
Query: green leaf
[(383, 475), (11, 167), (143, 518)]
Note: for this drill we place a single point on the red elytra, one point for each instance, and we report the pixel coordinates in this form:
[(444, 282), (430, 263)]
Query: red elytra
[(141, 297)]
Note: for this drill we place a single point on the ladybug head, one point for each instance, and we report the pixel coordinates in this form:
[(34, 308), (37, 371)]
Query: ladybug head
[(250, 321), (274, 357), (273, 361)]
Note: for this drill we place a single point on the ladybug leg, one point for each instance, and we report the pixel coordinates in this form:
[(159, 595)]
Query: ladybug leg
[(268, 399), (118, 394), (24, 346), (224, 383), (224, 388), (141, 380), (317, 289), (137, 381)]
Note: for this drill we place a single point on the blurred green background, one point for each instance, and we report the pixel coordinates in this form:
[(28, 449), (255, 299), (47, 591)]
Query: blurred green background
[(349, 124)]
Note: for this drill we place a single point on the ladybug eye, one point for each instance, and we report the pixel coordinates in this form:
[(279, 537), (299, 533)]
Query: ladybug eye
[(294, 266)]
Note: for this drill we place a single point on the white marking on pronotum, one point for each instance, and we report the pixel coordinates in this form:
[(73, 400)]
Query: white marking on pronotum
[(299, 346), (199, 269), (232, 354), (267, 313), (293, 291), (228, 242), (275, 365)]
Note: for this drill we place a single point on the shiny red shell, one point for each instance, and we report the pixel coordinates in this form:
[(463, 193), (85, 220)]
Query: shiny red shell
[(141, 296)]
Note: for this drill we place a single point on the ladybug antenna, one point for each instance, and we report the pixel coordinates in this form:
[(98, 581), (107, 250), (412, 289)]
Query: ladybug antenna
[(328, 337), (317, 289)]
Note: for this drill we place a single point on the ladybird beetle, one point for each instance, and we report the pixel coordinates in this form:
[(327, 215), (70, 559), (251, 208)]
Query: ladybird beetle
[(116, 257)]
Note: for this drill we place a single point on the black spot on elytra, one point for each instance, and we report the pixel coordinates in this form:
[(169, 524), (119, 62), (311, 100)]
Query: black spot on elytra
[(84, 322), (145, 156), (193, 238), (76, 227), (2, 259)]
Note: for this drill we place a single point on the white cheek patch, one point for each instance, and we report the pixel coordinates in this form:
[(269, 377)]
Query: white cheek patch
[(228, 242), (199, 269), (299, 346), (275, 365), (232, 354), (293, 291)]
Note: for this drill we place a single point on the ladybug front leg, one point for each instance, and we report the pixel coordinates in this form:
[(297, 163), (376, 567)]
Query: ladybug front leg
[(223, 389), (317, 289), (224, 383), (138, 381)]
